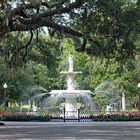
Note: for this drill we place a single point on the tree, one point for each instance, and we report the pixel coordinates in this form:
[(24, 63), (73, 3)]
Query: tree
[(119, 74), (38, 66), (108, 28)]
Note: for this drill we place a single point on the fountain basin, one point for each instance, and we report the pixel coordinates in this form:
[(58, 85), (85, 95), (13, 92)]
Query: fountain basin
[(70, 91)]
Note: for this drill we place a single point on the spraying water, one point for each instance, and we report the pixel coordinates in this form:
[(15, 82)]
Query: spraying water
[(70, 95)]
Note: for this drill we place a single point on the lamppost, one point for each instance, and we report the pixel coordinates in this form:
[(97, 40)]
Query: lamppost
[(138, 96), (5, 87)]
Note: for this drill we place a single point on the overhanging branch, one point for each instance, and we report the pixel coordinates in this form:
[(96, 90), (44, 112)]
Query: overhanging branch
[(20, 21), (48, 23)]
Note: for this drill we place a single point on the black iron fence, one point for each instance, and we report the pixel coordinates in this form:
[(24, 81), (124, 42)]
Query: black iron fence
[(63, 116), (79, 115)]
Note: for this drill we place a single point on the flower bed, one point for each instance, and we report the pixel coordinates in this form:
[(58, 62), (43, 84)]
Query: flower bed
[(17, 116), (30, 116), (122, 116)]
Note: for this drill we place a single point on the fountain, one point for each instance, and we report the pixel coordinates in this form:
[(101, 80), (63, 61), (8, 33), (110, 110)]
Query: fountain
[(71, 94)]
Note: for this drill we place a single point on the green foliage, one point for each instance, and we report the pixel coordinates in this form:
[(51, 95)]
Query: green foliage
[(107, 94), (112, 25), (17, 80), (38, 67), (13, 108), (121, 75)]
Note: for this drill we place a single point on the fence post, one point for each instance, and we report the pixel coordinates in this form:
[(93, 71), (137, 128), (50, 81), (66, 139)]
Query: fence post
[(78, 115), (64, 113)]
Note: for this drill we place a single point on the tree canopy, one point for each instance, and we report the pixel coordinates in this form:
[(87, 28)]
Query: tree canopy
[(98, 27)]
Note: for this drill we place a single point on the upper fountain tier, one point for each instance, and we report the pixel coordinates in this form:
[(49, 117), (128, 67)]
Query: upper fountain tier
[(70, 80), (71, 92), (70, 74)]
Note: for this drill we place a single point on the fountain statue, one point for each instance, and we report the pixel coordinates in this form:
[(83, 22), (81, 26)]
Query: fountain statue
[(71, 95)]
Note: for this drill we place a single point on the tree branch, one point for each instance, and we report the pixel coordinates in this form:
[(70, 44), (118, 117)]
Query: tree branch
[(18, 22), (48, 23), (23, 47)]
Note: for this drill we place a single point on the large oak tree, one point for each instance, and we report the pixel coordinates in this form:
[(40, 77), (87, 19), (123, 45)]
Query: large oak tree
[(98, 27)]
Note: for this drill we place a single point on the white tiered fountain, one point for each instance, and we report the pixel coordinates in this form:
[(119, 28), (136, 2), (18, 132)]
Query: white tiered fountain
[(71, 94)]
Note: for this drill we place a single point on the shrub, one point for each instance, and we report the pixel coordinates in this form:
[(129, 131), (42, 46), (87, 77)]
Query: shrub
[(123, 116), (16, 116)]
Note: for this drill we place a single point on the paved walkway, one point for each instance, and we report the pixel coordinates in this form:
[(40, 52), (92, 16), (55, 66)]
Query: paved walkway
[(70, 131)]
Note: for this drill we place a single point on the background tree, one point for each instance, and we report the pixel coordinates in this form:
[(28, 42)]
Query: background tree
[(24, 69), (121, 75)]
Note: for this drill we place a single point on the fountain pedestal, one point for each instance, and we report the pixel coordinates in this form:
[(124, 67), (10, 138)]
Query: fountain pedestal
[(71, 106)]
